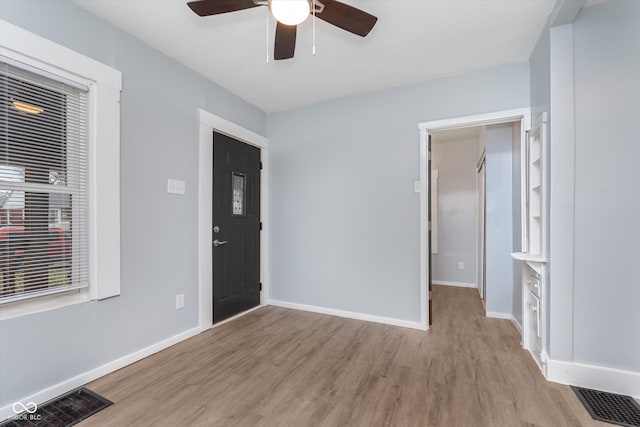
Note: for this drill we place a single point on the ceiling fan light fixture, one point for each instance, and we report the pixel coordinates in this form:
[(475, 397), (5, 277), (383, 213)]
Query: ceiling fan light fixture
[(290, 12)]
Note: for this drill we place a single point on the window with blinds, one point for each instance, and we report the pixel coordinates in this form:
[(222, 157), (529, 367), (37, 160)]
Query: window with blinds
[(43, 183)]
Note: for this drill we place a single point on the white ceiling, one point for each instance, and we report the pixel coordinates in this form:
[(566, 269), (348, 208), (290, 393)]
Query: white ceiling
[(413, 41)]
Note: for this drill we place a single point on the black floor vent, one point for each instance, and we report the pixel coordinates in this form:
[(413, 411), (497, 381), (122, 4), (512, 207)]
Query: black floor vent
[(63, 411), (609, 407)]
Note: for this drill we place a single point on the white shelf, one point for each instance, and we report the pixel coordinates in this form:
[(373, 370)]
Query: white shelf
[(535, 181), (521, 256)]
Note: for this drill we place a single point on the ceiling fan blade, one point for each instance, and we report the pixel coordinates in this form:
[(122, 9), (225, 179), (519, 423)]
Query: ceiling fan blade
[(285, 44), (347, 17), (216, 7)]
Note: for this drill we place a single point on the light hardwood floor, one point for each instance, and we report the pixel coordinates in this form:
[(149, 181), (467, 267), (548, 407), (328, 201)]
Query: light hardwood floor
[(282, 367)]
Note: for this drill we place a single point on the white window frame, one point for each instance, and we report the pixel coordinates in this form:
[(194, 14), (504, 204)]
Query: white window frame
[(105, 85)]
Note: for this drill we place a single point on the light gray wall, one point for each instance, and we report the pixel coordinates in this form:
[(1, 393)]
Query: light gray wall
[(516, 208), (456, 164), (159, 139), (539, 70), (499, 219), (345, 226), (559, 288), (607, 196)]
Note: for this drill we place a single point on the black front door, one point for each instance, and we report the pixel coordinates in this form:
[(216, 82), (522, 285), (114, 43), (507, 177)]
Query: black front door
[(236, 227)]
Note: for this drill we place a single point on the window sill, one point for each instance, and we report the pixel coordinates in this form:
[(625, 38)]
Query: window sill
[(46, 303)]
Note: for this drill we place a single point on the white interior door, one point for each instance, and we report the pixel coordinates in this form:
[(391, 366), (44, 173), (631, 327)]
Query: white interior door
[(480, 229)]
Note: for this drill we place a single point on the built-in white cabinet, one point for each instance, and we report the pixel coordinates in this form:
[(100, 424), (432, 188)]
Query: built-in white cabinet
[(534, 308), (534, 238)]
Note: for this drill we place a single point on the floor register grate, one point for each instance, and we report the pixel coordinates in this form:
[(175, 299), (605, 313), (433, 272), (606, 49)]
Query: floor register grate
[(63, 411), (609, 407)]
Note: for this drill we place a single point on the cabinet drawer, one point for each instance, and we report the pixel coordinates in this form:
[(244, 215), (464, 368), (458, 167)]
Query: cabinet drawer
[(533, 285), (533, 281), (534, 322)]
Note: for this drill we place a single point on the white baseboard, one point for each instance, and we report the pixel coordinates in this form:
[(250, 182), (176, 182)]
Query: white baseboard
[(350, 314), (458, 284), (595, 377), (81, 379), (516, 324), (498, 315)]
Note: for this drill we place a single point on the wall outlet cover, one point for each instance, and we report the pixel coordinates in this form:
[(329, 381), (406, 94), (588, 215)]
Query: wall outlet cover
[(179, 301), (460, 265), (175, 186)]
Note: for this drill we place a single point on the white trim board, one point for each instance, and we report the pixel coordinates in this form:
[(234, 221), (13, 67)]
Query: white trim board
[(458, 284), (349, 314), (85, 377), (521, 114), (595, 377), (516, 324), (208, 123), (498, 315), (478, 120)]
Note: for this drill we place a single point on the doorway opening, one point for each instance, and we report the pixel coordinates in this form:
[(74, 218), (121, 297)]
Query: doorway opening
[(470, 209), (457, 203)]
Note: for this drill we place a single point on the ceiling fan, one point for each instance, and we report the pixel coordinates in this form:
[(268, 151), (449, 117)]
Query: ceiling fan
[(290, 13)]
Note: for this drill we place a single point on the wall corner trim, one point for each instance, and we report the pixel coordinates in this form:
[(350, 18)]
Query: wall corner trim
[(350, 314)]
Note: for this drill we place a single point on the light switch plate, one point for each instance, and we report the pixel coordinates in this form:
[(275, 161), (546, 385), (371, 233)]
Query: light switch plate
[(179, 301), (416, 186), (175, 186)]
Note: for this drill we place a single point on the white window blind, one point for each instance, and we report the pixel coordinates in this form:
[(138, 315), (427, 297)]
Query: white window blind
[(43, 184)]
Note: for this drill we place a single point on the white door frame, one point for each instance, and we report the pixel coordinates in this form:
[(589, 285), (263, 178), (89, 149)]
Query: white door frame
[(208, 123), (521, 114), (480, 225)]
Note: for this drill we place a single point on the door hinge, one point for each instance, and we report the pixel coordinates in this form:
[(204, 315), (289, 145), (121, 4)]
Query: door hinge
[(429, 225), (260, 285), (260, 226), (260, 165)]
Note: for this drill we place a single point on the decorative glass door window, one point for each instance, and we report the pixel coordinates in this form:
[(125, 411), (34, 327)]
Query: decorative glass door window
[(238, 182)]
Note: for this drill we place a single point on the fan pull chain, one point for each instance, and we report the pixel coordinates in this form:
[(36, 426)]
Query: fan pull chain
[(267, 45), (313, 6)]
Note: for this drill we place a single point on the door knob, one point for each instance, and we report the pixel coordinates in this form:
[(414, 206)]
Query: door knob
[(217, 243)]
